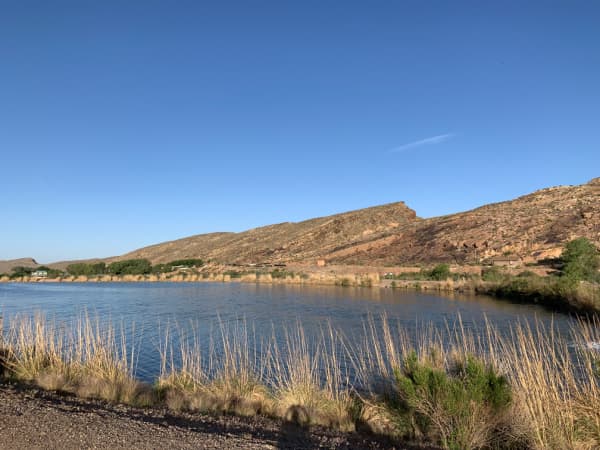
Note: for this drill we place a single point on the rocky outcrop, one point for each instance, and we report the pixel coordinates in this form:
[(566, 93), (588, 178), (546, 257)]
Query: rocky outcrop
[(287, 241), (533, 227)]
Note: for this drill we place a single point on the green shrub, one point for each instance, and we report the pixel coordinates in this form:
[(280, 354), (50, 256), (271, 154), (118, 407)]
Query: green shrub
[(580, 260), (440, 272), (160, 268), (526, 274), (492, 273), (459, 407), (190, 262), (168, 267), (130, 267), (78, 269), (281, 273), (20, 271)]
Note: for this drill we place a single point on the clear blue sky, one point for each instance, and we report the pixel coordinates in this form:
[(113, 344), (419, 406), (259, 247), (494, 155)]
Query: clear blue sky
[(124, 124)]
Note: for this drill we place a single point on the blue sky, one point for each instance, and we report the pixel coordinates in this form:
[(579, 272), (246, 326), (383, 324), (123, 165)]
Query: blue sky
[(124, 124)]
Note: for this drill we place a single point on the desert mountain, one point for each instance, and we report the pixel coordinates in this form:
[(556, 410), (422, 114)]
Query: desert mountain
[(533, 227), (286, 242), (7, 265)]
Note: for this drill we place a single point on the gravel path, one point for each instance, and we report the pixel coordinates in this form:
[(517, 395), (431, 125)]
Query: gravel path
[(32, 419)]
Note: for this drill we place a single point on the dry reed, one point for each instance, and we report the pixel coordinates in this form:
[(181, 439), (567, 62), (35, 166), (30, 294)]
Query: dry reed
[(554, 378)]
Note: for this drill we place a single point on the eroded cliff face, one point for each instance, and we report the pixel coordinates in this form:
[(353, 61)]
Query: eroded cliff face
[(533, 227)]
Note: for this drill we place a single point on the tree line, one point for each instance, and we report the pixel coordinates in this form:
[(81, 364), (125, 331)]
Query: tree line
[(139, 266)]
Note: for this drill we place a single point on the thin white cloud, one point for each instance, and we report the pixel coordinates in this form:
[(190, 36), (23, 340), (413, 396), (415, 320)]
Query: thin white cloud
[(433, 140)]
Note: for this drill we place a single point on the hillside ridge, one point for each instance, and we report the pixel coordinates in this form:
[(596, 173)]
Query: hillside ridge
[(531, 227)]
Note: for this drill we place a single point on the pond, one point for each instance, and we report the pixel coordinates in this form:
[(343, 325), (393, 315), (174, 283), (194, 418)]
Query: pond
[(144, 311)]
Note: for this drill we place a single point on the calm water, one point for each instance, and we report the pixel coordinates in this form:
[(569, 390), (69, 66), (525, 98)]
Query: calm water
[(145, 310)]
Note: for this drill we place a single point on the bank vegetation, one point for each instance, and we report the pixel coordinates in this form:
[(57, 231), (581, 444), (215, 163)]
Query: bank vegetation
[(458, 388)]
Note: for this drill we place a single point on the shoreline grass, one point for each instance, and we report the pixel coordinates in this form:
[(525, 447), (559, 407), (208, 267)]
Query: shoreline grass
[(456, 387), (556, 293)]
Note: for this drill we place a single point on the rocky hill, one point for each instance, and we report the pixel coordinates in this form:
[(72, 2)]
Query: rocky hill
[(533, 227), (286, 242), (7, 265)]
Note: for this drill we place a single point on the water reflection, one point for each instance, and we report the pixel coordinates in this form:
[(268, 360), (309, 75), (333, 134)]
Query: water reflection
[(145, 310)]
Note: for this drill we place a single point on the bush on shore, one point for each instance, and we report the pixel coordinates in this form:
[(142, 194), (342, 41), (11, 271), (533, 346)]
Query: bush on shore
[(130, 267), (459, 406), (558, 293)]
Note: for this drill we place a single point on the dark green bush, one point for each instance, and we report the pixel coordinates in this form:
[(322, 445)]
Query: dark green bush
[(77, 269), (493, 273), (130, 267), (20, 271), (452, 407), (280, 273), (581, 261), (168, 267), (527, 274), (190, 262), (440, 272)]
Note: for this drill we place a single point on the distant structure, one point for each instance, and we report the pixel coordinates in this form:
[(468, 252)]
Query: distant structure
[(39, 273), (321, 263), (506, 261)]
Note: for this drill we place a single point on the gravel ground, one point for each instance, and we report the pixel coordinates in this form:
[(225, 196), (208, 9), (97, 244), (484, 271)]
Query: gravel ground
[(31, 418)]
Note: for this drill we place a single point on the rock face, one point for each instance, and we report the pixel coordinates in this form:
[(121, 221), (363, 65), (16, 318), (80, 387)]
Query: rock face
[(286, 242), (532, 227)]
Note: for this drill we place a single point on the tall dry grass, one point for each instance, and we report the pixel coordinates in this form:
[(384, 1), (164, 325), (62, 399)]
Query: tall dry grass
[(84, 357), (554, 378), (556, 383), (230, 379), (298, 380)]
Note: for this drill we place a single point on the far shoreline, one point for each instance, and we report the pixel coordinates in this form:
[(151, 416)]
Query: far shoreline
[(579, 300)]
